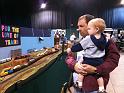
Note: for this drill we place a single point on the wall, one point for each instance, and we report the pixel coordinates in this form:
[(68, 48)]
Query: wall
[(33, 42), (5, 51), (28, 43)]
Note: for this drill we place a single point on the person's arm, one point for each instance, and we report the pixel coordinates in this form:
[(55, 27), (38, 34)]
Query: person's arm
[(73, 64), (83, 44), (76, 48)]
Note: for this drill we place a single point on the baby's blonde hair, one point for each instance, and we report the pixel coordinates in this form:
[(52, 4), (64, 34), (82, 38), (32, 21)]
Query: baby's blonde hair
[(98, 23)]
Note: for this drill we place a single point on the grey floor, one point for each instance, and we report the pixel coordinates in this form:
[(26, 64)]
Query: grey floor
[(116, 82)]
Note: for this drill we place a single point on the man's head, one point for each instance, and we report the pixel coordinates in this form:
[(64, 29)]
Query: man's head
[(83, 23), (96, 26)]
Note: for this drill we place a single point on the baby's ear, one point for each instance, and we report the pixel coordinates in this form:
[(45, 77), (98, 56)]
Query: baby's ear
[(97, 29)]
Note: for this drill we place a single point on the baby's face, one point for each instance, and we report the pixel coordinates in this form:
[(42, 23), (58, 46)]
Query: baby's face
[(91, 29)]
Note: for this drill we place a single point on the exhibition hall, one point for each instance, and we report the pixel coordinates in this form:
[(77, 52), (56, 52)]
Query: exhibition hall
[(61, 46)]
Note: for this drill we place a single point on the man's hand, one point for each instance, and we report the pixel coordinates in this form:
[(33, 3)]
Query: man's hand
[(79, 69), (84, 69), (89, 69)]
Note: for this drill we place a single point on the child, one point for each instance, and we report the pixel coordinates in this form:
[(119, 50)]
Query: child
[(94, 49)]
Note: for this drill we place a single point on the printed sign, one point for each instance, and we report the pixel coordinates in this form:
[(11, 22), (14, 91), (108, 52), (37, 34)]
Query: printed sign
[(9, 36)]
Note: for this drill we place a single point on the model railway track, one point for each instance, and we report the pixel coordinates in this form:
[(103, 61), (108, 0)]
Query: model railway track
[(28, 71)]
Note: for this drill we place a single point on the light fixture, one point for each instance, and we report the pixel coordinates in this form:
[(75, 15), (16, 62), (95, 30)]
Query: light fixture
[(43, 5), (122, 2)]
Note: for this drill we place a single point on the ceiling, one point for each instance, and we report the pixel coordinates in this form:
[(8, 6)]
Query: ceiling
[(26, 7), (16, 7), (84, 4)]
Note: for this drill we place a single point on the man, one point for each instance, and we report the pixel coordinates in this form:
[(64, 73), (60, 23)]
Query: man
[(110, 61)]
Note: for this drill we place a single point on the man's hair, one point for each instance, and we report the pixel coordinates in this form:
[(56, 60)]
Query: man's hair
[(87, 17), (98, 22)]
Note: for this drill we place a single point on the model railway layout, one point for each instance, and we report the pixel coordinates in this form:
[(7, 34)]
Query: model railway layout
[(22, 67)]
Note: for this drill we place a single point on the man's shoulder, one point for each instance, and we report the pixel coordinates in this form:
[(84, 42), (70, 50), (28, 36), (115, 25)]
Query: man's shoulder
[(110, 44), (110, 41)]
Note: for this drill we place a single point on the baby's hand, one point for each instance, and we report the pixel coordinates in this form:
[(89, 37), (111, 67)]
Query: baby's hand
[(69, 50)]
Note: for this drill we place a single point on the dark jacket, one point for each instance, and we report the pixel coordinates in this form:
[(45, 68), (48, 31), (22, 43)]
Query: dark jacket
[(110, 63)]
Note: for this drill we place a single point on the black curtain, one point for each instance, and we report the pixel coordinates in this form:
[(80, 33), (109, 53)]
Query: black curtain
[(21, 21), (48, 19), (114, 17)]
